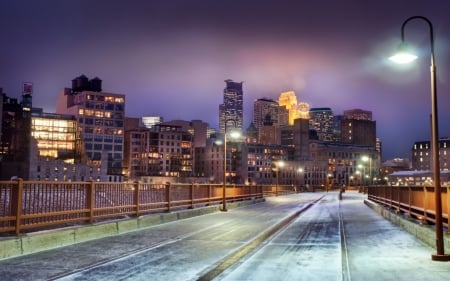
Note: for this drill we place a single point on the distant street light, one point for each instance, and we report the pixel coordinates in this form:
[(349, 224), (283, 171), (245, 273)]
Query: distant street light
[(405, 57), (233, 134)]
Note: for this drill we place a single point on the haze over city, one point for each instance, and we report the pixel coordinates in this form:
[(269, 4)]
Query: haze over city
[(170, 58)]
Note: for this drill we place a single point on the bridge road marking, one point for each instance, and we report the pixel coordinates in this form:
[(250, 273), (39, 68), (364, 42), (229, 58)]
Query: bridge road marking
[(346, 276), (252, 245), (136, 252)]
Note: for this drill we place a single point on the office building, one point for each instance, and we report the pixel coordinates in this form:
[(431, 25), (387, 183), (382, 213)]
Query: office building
[(164, 151), (100, 116), (422, 155), (263, 110), (321, 120), (231, 110), (56, 136), (15, 136), (359, 132)]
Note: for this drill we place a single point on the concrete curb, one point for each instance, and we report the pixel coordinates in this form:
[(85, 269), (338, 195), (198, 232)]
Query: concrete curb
[(55, 238), (424, 232)]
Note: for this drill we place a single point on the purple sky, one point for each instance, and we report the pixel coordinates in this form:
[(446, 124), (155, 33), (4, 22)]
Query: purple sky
[(171, 57)]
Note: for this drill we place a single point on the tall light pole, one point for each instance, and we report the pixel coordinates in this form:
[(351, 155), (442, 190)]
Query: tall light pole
[(404, 57), (224, 186)]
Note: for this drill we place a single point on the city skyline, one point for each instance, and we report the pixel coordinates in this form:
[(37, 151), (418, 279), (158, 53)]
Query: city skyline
[(331, 54)]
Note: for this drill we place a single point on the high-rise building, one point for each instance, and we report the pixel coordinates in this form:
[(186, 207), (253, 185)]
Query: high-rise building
[(100, 116), (321, 120), (231, 110), (264, 109), (288, 100)]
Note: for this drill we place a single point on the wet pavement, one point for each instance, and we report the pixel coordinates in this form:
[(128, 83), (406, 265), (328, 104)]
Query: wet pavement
[(329, 240)]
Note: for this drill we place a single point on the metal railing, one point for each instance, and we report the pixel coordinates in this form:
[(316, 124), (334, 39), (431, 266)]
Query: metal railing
[(34, 205), (415, 201)]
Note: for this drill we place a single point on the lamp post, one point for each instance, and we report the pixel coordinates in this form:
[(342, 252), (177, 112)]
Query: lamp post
[(301, 179), (404, 57), (279, 164), (366, 158), (360, 179), (224, 186)]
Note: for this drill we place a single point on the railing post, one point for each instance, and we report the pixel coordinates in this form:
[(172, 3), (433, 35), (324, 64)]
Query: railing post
[(390, 198), (191, 195), (425, 204), (448, 208), (168, 199), (136, 197), (90, 200), (409, 200), (209, 195), (16, 203)]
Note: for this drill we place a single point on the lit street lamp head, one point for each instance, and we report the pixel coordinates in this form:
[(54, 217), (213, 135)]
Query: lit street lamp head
[(403, 54)]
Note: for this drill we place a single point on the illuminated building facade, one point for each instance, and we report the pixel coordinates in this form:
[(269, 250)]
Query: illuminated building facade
[(264, 109), (100, 116), (422, 156), (321, 120), (288, 100), (56, 136), (163, 150), (231, 110)]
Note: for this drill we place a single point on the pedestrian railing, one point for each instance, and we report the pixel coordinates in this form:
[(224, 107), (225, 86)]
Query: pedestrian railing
[(34, 205), (415, 201)]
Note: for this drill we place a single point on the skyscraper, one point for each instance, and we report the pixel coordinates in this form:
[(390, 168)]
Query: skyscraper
[(288, 100), (231, 110)]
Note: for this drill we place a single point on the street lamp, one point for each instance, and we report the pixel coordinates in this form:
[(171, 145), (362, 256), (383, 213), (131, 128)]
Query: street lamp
[(233, 134), (366, 158), (301, 179), (358, 172), (405, 57)]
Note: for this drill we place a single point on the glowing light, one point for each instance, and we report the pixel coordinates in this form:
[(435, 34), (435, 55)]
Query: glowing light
[(403, 55)]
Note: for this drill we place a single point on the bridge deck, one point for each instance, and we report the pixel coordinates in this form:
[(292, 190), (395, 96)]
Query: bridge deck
[(306, 236)]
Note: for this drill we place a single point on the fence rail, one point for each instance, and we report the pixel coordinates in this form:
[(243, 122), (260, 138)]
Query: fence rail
[(415, 201), (33, 205)]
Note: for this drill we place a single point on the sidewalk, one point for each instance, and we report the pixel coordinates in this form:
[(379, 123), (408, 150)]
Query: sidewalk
[(376, 249)]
